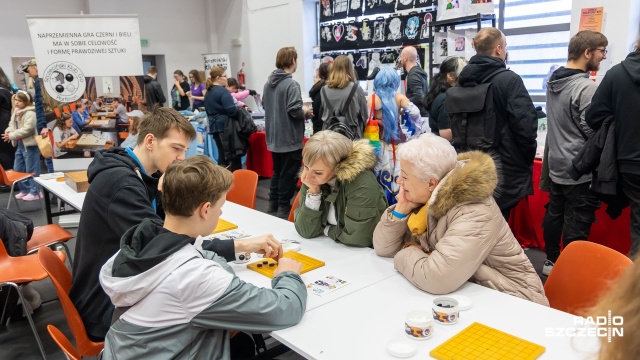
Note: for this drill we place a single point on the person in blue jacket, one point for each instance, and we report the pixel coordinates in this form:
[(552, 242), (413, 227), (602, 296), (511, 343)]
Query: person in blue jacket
[(78, 119)]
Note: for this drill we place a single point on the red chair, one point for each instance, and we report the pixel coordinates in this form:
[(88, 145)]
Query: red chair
[(63, 343), (49, 236), (244, 189), (584, 271), (294, 206), (61, 279), (10, 178)]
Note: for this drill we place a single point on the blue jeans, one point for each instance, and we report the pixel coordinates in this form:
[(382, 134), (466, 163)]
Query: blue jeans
[(27, 160)]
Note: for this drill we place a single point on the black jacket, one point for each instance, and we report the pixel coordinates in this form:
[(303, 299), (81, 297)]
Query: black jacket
[(514, 107), (316, 105), (619, 95), (438, 116), (154, 93), (120, 196), (235, 137), (417, 87)]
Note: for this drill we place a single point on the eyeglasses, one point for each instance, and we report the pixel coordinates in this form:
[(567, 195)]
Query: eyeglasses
[(604, 51)]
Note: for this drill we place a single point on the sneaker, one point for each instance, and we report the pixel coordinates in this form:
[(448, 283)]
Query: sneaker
[(547, 267), (21, 195), (31, 197)]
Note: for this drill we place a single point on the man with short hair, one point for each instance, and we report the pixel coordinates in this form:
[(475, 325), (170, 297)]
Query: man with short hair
[(417, 79), (572, 204), (123, 192), (284, 126), (154, 93), (120, 111), (514, 109)]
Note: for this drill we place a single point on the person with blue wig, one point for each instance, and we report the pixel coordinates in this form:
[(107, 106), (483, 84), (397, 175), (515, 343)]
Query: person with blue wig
[(398, 120)]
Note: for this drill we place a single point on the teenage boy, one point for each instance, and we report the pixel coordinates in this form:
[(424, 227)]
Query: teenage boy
[(178, 301), (122, 193)]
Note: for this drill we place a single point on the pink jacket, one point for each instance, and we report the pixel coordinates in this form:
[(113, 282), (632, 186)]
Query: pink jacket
[(240, 95)]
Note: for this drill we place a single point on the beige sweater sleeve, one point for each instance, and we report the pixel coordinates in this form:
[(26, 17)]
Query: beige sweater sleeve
[(390, 235)]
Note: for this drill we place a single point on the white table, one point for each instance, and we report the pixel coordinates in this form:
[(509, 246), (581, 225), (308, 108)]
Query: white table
[(63, 192)]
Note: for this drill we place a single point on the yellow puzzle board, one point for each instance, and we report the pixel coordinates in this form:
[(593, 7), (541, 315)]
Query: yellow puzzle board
[(480, 341), (224, 225), (308, 263)]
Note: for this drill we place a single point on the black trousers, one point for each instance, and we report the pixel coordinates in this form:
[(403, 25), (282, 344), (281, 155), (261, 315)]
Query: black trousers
[(233, 164), (285, 178), (631, 187), (570, 214)]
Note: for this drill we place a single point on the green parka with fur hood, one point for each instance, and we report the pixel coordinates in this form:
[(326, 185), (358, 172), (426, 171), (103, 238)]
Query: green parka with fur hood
[(357, 197)]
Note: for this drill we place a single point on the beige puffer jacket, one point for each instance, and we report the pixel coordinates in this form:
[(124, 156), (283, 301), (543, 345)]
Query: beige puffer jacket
[(468, 238), (26, 129)]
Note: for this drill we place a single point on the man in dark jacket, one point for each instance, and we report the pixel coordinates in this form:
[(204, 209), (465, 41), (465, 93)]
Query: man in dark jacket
[(154, 93), (514, 109), (284, 126), (417, 79), (619, 95)]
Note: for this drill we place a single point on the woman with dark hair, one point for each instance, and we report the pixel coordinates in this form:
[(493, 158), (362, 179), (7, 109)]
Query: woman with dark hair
[(434, 100), (7, 152), (179, 97), (198, 89), (314, 94)]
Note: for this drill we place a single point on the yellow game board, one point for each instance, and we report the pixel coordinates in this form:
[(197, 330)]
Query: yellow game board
[(480, 341), (308, 264), (224, 225)]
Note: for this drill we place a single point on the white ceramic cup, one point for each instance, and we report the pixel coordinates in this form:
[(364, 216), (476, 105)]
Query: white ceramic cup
[(418, 325)]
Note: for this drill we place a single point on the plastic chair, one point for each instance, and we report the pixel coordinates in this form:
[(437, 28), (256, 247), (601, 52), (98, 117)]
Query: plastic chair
[(19, 271), (61, 279), (63, 343), (294, 206), (10, 178), (244, 189), (49, 236), (584, 271)]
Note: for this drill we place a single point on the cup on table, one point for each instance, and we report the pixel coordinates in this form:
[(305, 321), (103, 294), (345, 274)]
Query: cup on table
[(445, 310), (418, 325)]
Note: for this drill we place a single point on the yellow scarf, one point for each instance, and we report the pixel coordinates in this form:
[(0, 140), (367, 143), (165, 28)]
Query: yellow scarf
[(417, 222)]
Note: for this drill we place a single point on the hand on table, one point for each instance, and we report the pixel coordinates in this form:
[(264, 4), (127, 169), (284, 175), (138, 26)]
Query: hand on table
[(266, 245), (304, 178), (286, 264), (404, 206)]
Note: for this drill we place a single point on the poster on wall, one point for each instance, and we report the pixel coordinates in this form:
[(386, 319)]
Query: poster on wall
[(412, 29), (372, 7), (423, 3), (213, 60), (70, 47), (406, 4), (591, 19), (440, 47), (480, 6), (365, 39), (469, 35), (395, 27), (326, 10), (361, 65), (456, 43), (355, 8), (451, 9)]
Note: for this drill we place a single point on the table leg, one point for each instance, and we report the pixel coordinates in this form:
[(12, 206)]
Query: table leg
[(47, 204)]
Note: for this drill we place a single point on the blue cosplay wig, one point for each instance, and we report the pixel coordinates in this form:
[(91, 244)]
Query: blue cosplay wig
[(385, 86)]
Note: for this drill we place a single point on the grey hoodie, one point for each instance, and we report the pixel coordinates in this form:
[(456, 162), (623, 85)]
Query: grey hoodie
[(283, 113), (569, 96), (184, 299)]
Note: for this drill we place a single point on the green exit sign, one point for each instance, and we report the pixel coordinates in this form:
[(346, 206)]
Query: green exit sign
[(144, 42)]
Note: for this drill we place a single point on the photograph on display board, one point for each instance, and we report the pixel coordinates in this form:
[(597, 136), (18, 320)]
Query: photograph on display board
[(405, 4), (361, 65), (355, 8), (451, 9), (412, 28), (440, 47), (365, 40), (326, 10), (469, 35), (379, 38), (395, 27), (481, 6), (372, 7), (427, 19), (456, 43)]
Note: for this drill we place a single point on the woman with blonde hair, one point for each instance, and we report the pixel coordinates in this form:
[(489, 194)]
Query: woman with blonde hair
[(344, 97), (339, 197)]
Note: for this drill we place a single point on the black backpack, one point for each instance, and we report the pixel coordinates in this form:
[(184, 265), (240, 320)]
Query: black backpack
[(340, 122), (15, 230), (474, 124)]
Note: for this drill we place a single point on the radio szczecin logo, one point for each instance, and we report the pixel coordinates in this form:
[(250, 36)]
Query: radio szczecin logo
[(64, 81)]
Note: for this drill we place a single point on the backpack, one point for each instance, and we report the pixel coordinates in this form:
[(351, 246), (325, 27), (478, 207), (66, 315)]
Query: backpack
[(340, 122), (15, 230), (474, 124)]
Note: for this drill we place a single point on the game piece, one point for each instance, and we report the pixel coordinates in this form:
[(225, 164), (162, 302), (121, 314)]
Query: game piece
[(259, 265), (272, 264), (265, 262), (308, 264), (479, 341)]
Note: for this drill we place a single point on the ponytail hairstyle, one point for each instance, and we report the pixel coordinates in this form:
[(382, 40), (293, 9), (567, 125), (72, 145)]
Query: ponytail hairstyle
[(25, 97), (439, 84), (385, 86), (215, 73), (60, 122)]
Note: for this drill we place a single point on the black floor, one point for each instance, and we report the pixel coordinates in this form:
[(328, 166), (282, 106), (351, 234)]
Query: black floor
[(17, 340)]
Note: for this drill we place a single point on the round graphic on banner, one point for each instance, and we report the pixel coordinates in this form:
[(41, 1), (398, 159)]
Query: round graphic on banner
[(64, 81)]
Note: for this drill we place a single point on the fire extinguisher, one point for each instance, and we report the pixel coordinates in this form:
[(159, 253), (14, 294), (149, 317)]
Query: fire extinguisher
[(241, 76)]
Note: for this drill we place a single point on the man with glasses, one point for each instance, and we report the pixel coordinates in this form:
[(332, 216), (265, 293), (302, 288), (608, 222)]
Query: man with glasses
[(572, 204)]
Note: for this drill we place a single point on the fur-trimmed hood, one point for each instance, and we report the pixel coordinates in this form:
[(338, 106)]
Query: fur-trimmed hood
[(362, 157), (474, 179)]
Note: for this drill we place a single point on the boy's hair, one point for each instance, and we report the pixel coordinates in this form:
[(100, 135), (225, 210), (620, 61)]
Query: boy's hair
[(152, 70), (160, 121), (583, 40), (232, 82), (486, 40), (285, 57), (191, 182)]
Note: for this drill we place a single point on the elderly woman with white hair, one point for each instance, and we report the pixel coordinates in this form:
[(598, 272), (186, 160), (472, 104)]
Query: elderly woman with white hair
[(446, 228)]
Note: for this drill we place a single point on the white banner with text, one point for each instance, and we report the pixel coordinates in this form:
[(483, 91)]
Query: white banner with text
[(213, 60)]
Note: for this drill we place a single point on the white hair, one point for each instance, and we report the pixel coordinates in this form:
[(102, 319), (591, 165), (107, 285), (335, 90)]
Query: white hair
[(432, 156)]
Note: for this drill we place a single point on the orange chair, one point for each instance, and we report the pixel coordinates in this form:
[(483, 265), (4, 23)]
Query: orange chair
[(244, 189), (16, 272), (49, 236), (584, 271), (64, 343), (61, 279), (294, 206), (10, 178)]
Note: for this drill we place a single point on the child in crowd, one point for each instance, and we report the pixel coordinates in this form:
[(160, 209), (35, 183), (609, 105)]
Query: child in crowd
[(134, 124), (232, 86), (63, 132), (78, 120), (176, 300), (21, 133)]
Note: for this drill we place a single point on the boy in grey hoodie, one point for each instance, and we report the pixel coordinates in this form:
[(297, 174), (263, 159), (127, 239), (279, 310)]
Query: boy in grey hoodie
[(179, 301), (572, 204)]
